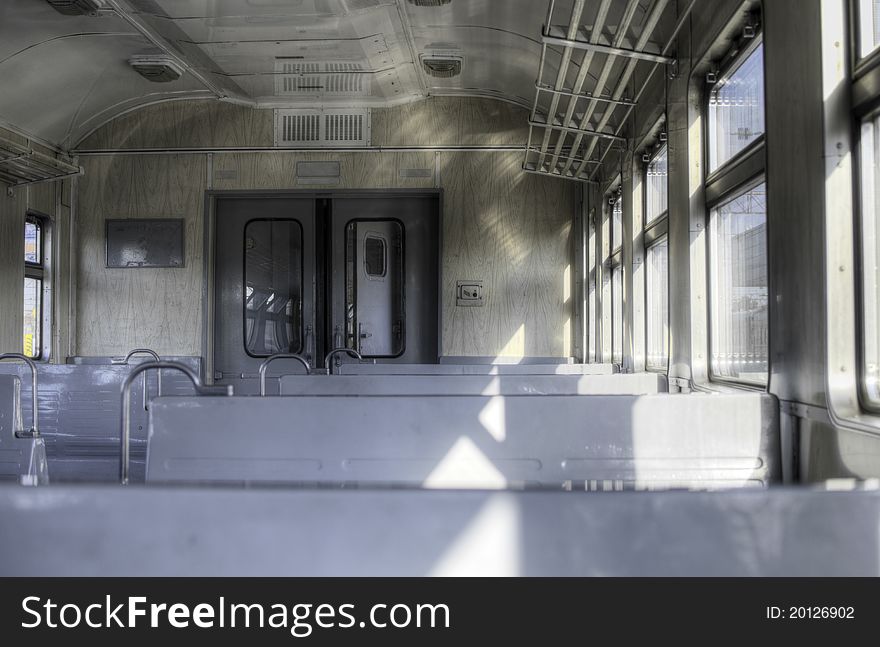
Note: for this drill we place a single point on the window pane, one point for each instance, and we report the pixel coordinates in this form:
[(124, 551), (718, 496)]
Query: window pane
[(374, 256), (656, 188), (33, 289), (738, 275), (32, 242), (871, 259), (617, 315), (658, 305), (273, 287), (617, 224), (736, 110), (869, 25)]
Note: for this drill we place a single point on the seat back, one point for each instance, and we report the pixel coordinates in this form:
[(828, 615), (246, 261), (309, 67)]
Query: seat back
[(578, 442)]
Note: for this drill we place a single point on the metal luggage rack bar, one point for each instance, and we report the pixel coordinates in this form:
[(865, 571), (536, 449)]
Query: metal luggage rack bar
[(578, 111), (21, 166)]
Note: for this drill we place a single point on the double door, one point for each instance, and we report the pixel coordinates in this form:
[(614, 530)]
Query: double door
[(307, 273)]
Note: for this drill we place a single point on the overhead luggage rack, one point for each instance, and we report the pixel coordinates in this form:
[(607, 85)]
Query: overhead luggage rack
[(584, 92), (21, 165)]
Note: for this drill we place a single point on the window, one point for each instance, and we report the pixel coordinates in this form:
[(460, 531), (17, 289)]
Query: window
[(657, 260), (34, 278), (736, 109), (273, 274), (737, 229), (614, 274), (374, 256), (658, 305), (869, 26), (617, 314), (617, 224), (656, 186), (870, 250), (738, 287)]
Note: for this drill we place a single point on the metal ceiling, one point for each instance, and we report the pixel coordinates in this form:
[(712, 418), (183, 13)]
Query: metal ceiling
[(64, 76)]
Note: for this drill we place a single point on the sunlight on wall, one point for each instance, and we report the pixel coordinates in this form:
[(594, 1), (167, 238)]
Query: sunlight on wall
[(488, 546), (516, 345), (463, 467)]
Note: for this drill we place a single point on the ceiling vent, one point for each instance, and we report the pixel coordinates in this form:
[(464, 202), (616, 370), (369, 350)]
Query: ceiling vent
[(157, 68), (294, 77), (322, 128), (442, 66), (429, 3), (76, 7)]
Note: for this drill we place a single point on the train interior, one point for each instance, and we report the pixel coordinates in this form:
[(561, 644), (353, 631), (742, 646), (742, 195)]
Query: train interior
[(440, 287)]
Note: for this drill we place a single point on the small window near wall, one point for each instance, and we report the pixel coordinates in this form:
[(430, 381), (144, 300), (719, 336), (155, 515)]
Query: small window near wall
[(34, 280)]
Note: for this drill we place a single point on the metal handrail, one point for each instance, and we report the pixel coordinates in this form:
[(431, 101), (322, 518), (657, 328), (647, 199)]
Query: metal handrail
[(200, 388), (142, 351), (336, 351), (35, 415), (265, 367)]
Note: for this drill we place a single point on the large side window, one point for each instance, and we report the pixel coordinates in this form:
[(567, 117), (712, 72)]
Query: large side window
[(736, 193), (867, 114), (34, 280), (657, 260)]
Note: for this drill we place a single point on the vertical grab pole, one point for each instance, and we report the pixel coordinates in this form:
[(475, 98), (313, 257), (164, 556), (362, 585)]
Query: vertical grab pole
[(35, 413), (125, 440)]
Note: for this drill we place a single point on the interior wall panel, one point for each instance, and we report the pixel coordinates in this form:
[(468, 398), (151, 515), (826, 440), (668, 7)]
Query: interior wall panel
[(512, 230), (506, 227), (439, 121), (120, 309)]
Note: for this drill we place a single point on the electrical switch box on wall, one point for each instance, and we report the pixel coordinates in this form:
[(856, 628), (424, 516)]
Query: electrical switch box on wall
[(469, 293)]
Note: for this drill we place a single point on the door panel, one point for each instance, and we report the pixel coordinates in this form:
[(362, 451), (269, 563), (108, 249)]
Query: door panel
[(305, 273), (415, 219), (376, 322), (264, 280)]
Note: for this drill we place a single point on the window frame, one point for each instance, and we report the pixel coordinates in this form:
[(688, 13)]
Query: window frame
[(655, 231), (738, 175), (402, 296), (302, 337), (612, 261), (865, 107), (39, 271), (724, 379), (734, 60)]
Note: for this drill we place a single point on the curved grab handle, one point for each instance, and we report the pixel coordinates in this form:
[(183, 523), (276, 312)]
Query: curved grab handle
[(35, 415), (265, 367), (336, 351), (155, 356), (200, 389)]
